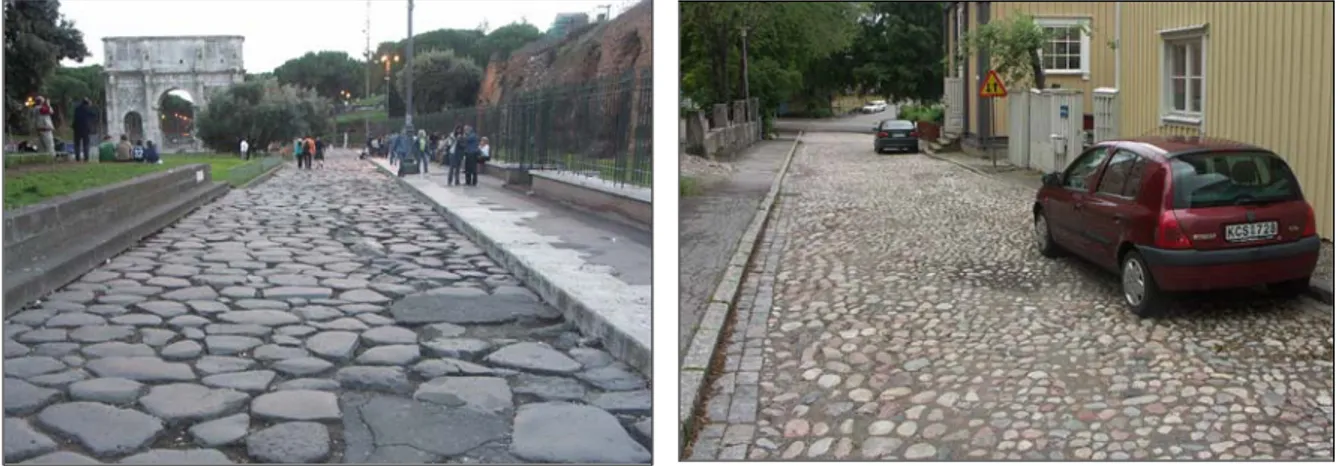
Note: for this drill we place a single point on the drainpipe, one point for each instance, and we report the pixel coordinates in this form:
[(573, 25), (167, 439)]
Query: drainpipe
[(1116, 38)]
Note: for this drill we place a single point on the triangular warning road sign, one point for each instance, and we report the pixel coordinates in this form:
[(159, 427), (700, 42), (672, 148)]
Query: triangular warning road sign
[(992, 86)]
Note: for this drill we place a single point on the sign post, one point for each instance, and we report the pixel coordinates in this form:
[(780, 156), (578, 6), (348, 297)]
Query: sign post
[(992, 87)]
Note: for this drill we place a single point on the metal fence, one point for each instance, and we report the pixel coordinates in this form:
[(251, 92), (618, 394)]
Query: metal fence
[(241, 174), (599, 128)]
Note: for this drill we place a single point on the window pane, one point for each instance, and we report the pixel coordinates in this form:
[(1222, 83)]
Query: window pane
[(1195, 58), (1074, 63), (1179, 94), (1177, 55), (1079, 174), (1195, 83), (1073, 48), (1114, 178), (1134, 178)]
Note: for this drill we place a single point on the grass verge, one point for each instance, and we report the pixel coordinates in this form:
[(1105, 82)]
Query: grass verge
[(689, 186), (33, 183)]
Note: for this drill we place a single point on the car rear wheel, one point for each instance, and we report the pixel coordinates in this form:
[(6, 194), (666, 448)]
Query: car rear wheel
[(1290, 288), (1142, 295), (1042, 237)]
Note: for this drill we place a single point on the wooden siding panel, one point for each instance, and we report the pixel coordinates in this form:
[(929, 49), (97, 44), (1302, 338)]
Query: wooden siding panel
[(1269, 81), (1102, 58)]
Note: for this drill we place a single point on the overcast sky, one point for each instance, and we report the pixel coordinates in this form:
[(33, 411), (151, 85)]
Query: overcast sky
[(279, 30)]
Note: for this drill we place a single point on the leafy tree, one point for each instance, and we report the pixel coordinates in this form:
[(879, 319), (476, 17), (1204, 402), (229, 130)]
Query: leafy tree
[(37, 38), (443, 80), (263, 112), (785, 40), (1013, 46), (500, 43), (328, 72), (899, 51)]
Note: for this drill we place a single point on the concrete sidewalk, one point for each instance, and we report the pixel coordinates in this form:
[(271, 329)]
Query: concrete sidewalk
[(596, 271)]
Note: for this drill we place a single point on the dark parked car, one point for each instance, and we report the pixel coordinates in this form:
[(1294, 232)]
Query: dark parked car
[(897, 135), (1180, 214)]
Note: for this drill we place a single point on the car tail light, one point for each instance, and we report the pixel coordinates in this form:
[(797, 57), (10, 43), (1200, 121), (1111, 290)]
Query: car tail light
[(915, 134), (1310, 228), (883, 134), (1169, 234)]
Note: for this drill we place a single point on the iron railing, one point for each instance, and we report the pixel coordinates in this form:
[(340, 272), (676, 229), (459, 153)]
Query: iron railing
[(599, 128)]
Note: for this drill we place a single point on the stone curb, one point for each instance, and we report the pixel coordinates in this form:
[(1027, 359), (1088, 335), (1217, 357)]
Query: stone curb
[(1317, 289), (708, 336), (618, 341)]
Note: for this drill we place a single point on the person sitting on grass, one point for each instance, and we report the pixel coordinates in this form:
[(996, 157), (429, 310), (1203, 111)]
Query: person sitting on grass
[(107, 150), (138, 151), (151, 153), (124, 149)]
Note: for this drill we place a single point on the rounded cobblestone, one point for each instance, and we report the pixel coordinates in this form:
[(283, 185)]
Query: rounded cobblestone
[(899, 301)]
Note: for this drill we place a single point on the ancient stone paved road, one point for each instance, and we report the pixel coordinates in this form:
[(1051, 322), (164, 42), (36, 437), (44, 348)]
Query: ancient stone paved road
[(323, 316), (901, 312)]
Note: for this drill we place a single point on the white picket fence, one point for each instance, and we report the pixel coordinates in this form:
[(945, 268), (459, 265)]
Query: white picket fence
[(953, 106), (1106, 113)]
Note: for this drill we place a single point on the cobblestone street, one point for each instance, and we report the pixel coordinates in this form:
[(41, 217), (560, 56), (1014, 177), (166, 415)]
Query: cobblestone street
[(321, 316), (897, 309)]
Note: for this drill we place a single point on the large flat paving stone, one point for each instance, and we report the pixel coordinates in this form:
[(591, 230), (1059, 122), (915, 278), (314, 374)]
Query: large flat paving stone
[(192, 456), (114, 390), (426, 427), (181, 402), (22, 441), (557, 432), (102, 429), (62, 458), (296, 405), (22, 398), (428, 308), (222, 431), (490, 395), (142, 369), (290, 442), (533, 357)]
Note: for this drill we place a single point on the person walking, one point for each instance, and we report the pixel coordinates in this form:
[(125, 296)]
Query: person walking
[(84, 117), (243, 149), (421, 151), (308, 151), (297, 151), (320, 153), (455, 158), (471, 156)]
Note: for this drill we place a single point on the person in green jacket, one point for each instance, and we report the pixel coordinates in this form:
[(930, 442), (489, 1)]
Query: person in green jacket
[(107, 150)]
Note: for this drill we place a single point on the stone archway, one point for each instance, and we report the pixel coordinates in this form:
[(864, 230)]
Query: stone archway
[(176, 118), (134, 125), (142, 70)]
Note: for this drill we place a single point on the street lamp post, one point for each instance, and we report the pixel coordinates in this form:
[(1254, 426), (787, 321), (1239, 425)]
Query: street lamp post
[(409, 72), (386, 62)]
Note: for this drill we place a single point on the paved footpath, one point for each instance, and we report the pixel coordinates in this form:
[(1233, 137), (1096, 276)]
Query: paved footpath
[(710, 226), (899, 311), (321, 316)]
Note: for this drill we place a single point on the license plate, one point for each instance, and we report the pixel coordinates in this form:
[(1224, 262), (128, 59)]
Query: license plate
[(899, 134), (1251, 231)]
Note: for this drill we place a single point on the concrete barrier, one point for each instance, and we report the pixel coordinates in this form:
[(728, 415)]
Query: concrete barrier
[(623, 203), (52, 243)]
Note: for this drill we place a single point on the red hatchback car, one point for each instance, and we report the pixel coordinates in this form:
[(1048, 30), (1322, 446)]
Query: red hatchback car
[(1180, 214)]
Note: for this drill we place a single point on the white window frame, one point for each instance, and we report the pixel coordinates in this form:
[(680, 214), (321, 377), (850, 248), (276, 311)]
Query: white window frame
[(1196, 35), (1084, 43)]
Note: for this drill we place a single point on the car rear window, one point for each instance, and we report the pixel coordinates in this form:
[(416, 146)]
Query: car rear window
[(1232, 178), (897, 124)]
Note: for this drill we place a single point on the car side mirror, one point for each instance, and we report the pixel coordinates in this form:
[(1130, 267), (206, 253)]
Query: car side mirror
[(1051, 179), (874, 129)]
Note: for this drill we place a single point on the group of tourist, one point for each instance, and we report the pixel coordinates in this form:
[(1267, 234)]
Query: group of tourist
[(126, 151), (461, 150), (308, 148)]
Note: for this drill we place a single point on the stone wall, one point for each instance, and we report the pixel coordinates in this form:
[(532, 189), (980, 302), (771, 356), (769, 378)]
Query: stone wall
[(725, 131), (49, 244)]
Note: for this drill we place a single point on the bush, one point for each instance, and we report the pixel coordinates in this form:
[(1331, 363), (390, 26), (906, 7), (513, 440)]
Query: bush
[(923, 113)]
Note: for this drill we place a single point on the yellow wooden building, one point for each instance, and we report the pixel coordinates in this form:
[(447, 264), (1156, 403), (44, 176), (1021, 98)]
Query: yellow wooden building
[(1256, 72)]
